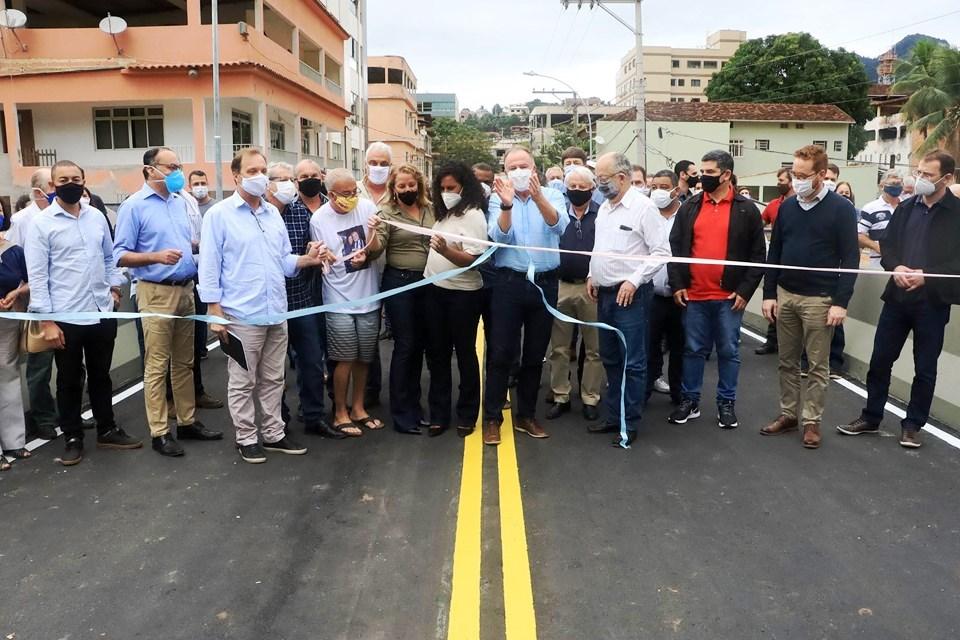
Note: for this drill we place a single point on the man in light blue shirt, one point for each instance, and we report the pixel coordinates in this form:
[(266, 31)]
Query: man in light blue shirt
[(71, 269), (154, 241), (245, 257), (521, 213)]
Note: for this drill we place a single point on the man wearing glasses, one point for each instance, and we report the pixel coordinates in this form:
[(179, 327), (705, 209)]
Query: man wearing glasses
[(816, 228), (921, 238), (574, 302), (154, 240), (628, 223)]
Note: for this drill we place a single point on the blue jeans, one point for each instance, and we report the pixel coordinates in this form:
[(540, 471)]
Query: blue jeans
[(709, 323), (633, 321), (928, 323), (308, 341)]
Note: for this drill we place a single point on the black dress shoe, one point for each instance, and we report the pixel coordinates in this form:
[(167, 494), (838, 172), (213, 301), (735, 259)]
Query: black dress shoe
[(766, 349), (603, 427), (324, 430), (165, 445), (590, 412), (44, 432), (89, 424), (557, 409), (415, 431), (631, 436), (197, 431)]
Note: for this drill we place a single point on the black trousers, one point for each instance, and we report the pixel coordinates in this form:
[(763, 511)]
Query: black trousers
[(452, 324), (666, 323), (407, 313), (517, 308), (90, 345)]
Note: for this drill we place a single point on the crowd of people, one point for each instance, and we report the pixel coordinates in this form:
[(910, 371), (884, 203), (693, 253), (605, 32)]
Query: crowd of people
[(291, 238)]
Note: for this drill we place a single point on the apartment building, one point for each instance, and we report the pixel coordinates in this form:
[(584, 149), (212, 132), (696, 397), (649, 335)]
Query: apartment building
[(438, 105), (393, 116), (677, 74), (74, 92)]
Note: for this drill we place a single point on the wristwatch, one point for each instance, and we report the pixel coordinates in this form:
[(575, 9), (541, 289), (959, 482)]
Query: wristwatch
[(506, 207)]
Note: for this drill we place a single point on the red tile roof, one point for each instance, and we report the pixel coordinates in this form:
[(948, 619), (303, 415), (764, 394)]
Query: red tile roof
[(736, 111)]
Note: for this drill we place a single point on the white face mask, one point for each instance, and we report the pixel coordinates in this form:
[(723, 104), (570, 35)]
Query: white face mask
[(85, 201), (255, 186), (450, 199), (378, 175), (662, 198), (486, 189), (520, 179), (924, 187), (831, 185), (567, 169), (644, 190), (286, 191), (200, 191), (803, 188)]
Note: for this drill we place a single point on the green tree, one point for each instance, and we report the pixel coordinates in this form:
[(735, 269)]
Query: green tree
[(564, 137), (460, 141), (930, 75), (794, 68)]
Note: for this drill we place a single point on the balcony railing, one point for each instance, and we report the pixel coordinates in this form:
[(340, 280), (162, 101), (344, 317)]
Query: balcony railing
[(38, 157), (333, 86), (311, 73)]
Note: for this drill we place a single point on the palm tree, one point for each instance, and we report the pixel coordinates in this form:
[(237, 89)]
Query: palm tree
[(930, 75)]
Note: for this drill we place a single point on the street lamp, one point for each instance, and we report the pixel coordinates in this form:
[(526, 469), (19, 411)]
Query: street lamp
[(576, 99)]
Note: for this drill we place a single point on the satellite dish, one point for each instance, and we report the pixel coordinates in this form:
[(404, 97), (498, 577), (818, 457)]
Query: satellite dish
[(12, 18), (600, 140), (113, 25)]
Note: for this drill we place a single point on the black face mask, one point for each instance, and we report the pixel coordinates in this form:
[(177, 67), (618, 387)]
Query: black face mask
[(408, 198), (70, 192), (310, 187), (578, 197), (709, 183), (692, 181)]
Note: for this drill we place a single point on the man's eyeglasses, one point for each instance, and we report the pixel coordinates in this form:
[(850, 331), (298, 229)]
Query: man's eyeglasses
[(170, 167)]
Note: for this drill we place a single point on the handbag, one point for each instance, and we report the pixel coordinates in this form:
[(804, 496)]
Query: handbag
[(31, 335)]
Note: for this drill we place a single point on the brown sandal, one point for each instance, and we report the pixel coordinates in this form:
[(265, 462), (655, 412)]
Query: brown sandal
[(19, 454), (354, 430), (369, 422)]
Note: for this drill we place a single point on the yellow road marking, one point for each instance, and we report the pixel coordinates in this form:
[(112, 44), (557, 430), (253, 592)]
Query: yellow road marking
[(521, 622), (464, 623)]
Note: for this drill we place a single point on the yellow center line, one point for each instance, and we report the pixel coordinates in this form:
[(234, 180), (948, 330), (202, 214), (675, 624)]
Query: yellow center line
[(464, 623), (521, 622)]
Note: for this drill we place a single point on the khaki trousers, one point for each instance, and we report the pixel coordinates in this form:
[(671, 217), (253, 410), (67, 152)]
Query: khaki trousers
[(168, 346), (12, 427), (573, 301), (265, 349), (802, 324)]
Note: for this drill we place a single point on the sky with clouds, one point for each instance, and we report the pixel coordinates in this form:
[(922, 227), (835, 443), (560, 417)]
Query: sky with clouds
[(479, 49)]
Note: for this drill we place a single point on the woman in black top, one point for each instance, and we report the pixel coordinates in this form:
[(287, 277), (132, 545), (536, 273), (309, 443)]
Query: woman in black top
[(13, 287)]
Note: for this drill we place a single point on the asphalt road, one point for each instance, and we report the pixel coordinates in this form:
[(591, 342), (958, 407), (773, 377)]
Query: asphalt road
[(693, 533)]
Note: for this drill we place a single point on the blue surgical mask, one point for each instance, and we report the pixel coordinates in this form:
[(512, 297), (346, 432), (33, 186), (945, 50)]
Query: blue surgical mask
[(893, 190), (556, 184), (174, 181)]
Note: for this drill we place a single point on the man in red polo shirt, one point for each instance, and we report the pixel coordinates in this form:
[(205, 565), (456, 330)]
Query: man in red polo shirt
[(769, 215), (717, 224)]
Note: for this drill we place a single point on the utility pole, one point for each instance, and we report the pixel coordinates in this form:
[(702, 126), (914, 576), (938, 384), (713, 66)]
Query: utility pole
[(637, 30), (217, 152)]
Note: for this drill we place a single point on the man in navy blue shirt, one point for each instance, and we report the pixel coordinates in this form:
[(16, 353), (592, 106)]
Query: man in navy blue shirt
[(921, 238)]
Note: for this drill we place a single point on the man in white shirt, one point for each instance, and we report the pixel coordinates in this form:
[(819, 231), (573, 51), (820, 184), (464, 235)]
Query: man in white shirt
[(876, 214), (630, 224), (352, 333)]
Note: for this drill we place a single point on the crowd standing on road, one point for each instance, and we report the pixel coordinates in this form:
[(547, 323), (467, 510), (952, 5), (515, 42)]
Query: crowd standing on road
[(291, 238)]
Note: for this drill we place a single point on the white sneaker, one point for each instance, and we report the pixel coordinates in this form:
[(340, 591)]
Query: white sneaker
[(661, 385)]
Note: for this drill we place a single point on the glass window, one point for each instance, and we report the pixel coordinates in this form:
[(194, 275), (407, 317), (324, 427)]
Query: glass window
[(128, 127), (673, 82), (785, 125), (798, 125), (693, 64), (820, 143), (680, 82), (277, 136), (709, 64), (838, 145), (675, 64), (694, 82), (395, 76), (736, 148), (376, 75), (242, 129), (762, 145)]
